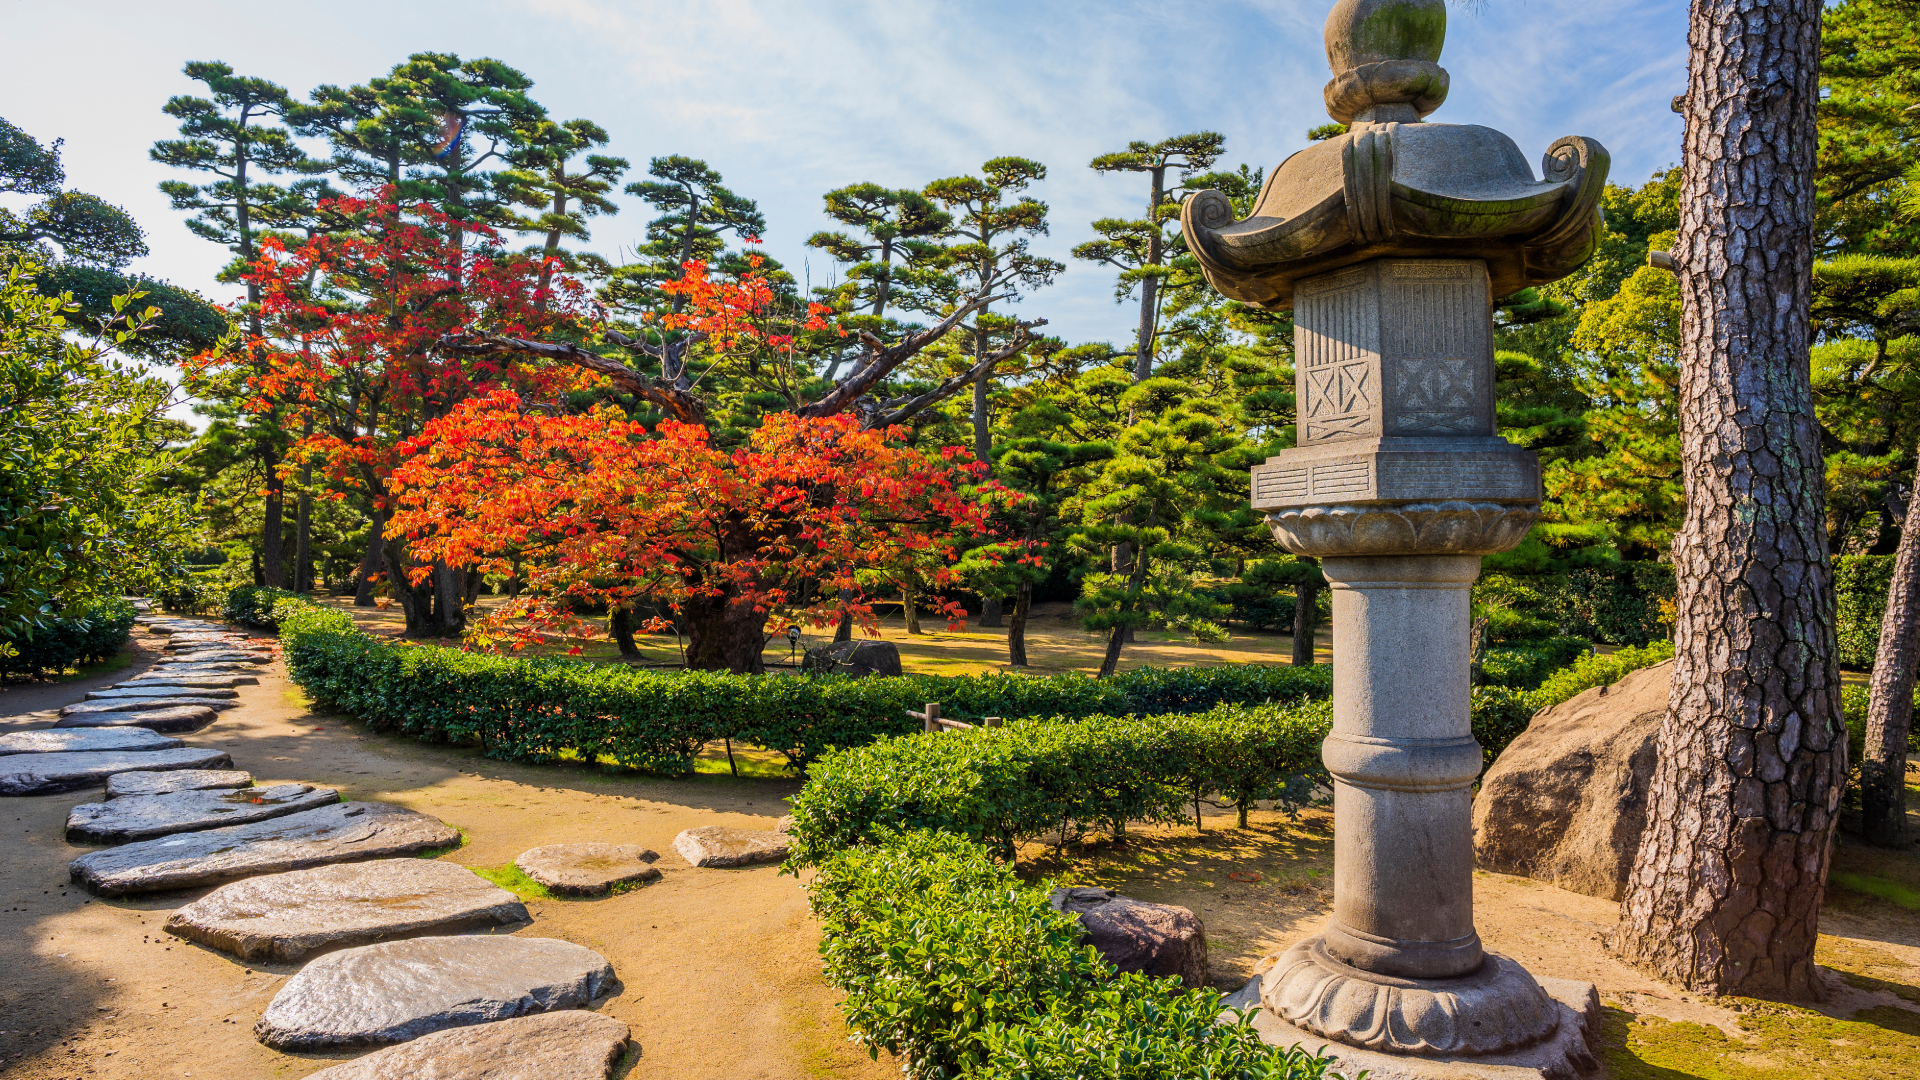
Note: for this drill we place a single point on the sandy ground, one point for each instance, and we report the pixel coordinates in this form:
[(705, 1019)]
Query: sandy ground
[(719, 968)]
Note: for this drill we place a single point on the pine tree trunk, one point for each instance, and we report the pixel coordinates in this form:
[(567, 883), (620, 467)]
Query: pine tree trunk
[(1726, 887), (1306, 620), (1883, 768), (273, 545), (982, 420), (1017, 628), (1110, 663)]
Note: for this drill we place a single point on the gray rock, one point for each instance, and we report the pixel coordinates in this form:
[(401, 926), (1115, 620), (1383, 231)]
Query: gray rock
[(43, 774), (377, 995), (285, 918), (722, 846), (211, 654), (344, 832), (569, 1045), (175, 720), (156, 690), (203, 682), (858, 658), (1133, 935), (141, 704), (1567, 800), (222, 667), (587, 869), (83, 742), (165, 783), (199, 638), (142, 817)]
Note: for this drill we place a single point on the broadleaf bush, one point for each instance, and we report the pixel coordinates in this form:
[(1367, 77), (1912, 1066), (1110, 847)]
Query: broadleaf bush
[(83, 636)]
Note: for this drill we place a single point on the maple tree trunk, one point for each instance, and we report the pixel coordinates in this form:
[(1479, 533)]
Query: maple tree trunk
[(724, 634), (1726, 886), (1017, 628), (416, 601), (1883, 766), (1306, 620), (910, 607), (449, 585), (620, 625), (371, 562)]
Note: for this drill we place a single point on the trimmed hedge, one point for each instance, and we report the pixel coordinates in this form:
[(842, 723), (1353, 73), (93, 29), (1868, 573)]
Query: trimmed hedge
[(1600, 669), (1524, 666), (951, 961), (83, 637), (544, 709)]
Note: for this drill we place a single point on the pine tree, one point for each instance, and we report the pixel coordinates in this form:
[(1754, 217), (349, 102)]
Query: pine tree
[(564, 200), (696, 212), (1139, 248), (895, 224), (233, 136)]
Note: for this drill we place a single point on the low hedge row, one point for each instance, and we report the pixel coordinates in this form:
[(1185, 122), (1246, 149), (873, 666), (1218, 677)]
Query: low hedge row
[(951, 961), (538, 709), (69, 640)]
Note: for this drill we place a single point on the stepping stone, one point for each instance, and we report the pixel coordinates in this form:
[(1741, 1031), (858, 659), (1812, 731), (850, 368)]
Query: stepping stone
[(587, 869), (44, 774), (284, 918), (83, 742), (377, 995), (343, 832), (138, 705), (166, 783), (143, 817), (219, 655), (128, 693), (203, 682), (570, 1045), (211, 667), (723, 846), (180, 719)]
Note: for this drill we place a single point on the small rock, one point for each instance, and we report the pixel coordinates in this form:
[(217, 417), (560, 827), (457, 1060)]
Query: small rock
[(210, 682), (1133, 935), (587, 869), (181, 719), (377, 995), (569, 1045), (166, 783), (43, 774), (722, 846), (285, 918), (128, 693), (784, 825), (344, 832), (84, 742), (135, 705), (142, 817), (858, 658)]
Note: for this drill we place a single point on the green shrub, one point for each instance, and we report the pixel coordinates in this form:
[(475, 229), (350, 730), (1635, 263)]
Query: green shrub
[(1600, 669), (67, 640), (1860, 585), (951, 961), (1618, 604), (1500, 714), (1524, 667), (253, 605)]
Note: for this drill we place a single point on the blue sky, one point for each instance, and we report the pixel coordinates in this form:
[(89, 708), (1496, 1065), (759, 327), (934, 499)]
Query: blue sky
[(791, 99)]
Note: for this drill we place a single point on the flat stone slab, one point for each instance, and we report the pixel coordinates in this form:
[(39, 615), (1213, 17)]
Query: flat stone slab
[(156, 690), (587, 869), (44, 774), (284, 918), (210, 667), (236, 656), (377, 995), (84, 742), (343, 832), (568, 1045), (206, 682), (143, 817), (138, 705), (165, 783), (723, 846), (181, 719)]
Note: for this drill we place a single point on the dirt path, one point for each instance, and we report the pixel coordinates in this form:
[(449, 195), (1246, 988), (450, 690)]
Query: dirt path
[(719, 968)]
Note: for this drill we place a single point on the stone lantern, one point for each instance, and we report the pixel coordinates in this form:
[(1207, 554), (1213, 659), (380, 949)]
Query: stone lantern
[(1389, 244)]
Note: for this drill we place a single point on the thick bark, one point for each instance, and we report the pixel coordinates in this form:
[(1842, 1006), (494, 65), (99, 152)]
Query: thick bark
[(620, 624), (1306, 620), (1726, 887), (449, 584), (1017, 627), (982, 419), (910, 608), (1110, 662), (1883, 768), (416, 601), (371, 563), (724, 635)]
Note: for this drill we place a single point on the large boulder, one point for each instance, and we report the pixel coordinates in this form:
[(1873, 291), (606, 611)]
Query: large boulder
[(1566, 801), (1133, 935), (858, 658)]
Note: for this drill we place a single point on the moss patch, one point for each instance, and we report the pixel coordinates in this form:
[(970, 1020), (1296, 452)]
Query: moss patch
[(515, 880), (1878, 887), (1776, 1042)]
